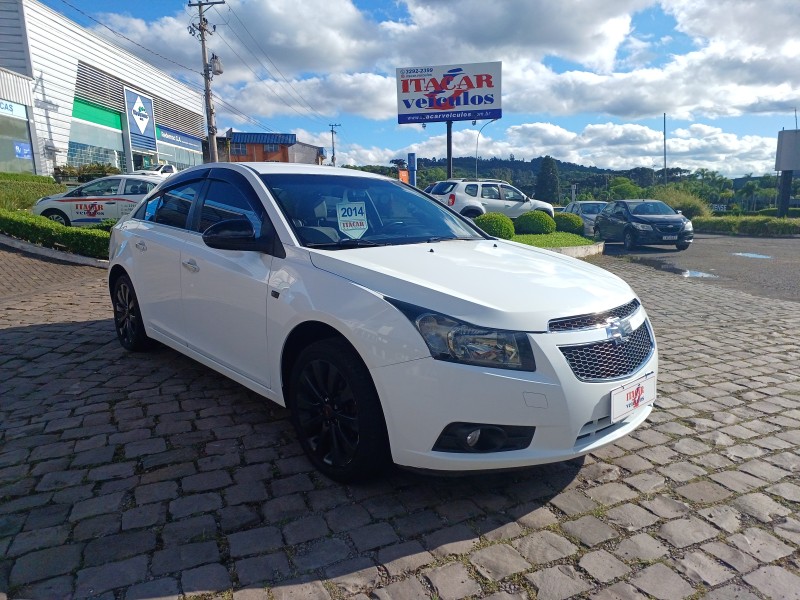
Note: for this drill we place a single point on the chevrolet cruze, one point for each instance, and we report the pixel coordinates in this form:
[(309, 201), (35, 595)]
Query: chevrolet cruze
[(392, 327)]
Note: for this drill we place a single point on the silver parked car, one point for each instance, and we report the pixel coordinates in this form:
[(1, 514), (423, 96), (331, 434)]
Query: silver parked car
[(587, 210)]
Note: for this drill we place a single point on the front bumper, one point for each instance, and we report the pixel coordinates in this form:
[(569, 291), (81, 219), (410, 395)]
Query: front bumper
[(571, 417), (658, 238)]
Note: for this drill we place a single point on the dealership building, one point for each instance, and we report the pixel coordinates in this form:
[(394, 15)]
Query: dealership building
[(70, 97)]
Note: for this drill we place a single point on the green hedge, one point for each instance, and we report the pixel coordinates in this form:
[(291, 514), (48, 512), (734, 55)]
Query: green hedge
[(24, 192), (496, 224), (754, 226), (26, 177), (535, 221), (41, 230), (794, 213), (568, 223)]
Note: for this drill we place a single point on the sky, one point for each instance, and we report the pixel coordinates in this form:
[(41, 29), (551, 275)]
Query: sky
[(583, 81)]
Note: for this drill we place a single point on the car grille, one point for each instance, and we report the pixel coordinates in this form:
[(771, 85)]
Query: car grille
[(610, 359), (593, 320), (668, 228)]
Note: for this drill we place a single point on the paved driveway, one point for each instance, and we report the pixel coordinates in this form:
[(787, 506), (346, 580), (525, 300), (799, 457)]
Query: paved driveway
[(149, 476)]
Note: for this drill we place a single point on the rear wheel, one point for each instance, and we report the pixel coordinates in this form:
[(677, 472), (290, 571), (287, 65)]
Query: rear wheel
[(128, 317), (629, 241), (56, 215), (337, 413), (471, 213)]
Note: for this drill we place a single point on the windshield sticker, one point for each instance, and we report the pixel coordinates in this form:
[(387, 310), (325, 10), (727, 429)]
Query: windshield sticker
[(352, 218)]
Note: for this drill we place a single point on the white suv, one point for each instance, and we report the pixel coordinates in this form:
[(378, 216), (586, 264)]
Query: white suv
[(474, 197)]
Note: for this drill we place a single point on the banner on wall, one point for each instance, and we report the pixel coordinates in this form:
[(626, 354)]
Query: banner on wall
[(141, 120)]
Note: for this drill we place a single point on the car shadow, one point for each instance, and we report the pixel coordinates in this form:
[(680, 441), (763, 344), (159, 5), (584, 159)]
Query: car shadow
[(156, 448)]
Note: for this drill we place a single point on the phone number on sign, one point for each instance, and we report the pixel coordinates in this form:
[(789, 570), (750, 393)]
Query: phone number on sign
[(416, 71)]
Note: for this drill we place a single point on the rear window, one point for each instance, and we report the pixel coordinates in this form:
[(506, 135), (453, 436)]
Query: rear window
[(443, 187)]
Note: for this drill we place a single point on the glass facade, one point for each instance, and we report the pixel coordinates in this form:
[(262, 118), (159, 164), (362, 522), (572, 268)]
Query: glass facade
[(180, 157), (16, 154), (90, 143)]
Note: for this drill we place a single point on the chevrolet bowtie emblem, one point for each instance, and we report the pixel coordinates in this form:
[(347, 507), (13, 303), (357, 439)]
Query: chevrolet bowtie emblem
[(618, 331)]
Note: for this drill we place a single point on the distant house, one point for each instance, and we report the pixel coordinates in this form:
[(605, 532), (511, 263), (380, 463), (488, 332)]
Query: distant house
[(239, 146)]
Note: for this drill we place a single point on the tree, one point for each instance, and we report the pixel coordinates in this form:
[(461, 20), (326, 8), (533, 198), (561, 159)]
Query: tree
[(623, 188), (548, 186), (400, 163)]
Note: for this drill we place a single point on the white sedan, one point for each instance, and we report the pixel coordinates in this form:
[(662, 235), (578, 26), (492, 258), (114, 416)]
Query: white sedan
[(390, 326), (110, 197)]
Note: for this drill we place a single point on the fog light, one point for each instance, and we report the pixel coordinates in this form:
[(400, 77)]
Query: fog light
[(473, 437)]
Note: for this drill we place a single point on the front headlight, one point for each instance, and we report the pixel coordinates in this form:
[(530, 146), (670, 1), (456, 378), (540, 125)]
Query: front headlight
[(457, 341), (688, 226), (642, 226)]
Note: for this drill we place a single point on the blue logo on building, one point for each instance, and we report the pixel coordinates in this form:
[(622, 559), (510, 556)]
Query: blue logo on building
[(141, 121)]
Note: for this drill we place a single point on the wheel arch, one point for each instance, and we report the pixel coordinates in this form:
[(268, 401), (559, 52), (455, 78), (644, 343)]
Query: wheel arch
[(115, 273)]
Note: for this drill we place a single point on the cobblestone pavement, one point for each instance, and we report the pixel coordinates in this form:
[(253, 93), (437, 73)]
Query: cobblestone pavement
[(149, 476)]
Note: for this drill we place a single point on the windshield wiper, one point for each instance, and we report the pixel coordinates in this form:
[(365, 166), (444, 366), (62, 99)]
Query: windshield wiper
[(447, 239)]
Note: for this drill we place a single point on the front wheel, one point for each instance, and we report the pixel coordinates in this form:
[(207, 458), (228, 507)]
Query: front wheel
[(598, 237), (629, 241), (56, 215), (128, 316), (337, 413), (682, 246)]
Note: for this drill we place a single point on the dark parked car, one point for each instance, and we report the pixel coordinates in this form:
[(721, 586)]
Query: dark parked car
[(643, 222)]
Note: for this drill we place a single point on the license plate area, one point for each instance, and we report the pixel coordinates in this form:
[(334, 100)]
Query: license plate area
[(669, 237), (632, 396)]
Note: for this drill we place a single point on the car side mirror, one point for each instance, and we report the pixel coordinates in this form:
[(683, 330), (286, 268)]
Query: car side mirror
[(680, 212), (239, 234)]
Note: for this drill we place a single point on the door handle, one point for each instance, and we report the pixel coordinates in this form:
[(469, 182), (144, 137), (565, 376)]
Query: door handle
[(141, 245), (110, 203), (191, 265)]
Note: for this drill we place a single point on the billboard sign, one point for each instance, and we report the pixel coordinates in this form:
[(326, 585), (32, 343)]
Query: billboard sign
[(463, 92), (176, 138), (141, 120)]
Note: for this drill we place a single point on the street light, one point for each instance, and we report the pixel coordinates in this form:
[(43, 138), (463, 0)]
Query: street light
[(478, 139)]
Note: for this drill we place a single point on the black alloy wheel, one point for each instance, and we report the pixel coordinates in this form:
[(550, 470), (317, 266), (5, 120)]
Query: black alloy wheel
[(127, 316), (682, 245), (336, 412), (629, 241)]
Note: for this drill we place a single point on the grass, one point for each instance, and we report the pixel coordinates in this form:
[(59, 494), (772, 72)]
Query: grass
[(559, 239)]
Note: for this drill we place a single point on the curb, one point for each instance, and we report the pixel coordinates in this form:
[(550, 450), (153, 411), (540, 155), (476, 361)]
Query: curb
[(51, 253), (581, 251)]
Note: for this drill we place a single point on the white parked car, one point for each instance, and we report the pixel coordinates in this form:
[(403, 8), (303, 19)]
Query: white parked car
[(110, 197), (474, 197), (390, 326), (164, 170)]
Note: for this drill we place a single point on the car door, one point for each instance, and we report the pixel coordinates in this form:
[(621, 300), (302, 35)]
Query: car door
[(618, 219), (515, 203), (158, 233), (224, 292), (603, 221), (491, 199), (97, 201)]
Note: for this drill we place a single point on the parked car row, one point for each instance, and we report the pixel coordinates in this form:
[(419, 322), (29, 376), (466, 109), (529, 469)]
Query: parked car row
[(474, 197), (392, 327)]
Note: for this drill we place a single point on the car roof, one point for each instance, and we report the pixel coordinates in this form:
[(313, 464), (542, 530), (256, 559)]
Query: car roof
[(265, 168)]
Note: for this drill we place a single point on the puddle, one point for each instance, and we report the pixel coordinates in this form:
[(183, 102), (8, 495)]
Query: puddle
[(751, 255), (662, 266)]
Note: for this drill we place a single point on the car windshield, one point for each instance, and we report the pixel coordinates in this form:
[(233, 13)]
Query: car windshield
[(443, 187), (651, 208), (334, 212), (592, 208)]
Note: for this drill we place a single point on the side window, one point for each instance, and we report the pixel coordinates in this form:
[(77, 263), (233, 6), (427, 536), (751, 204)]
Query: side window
[(491, 191), (608, 209), (172, 206), (471, 189), (137, 186), (107, 187), (619, 210), (225, 201), (510, 193)]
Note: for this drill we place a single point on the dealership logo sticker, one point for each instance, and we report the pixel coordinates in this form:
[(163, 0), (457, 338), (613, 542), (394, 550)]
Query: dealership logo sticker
[(352, 217), (140, 116)]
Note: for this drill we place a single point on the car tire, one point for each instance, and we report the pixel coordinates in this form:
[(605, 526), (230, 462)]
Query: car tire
[(629, 241), (682, 246), (471, 213), (128, 316), (336, 412), (598, 237), (56, 215)]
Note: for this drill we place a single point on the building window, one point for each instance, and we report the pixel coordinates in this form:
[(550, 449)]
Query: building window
[(271, 147), (238, 149)]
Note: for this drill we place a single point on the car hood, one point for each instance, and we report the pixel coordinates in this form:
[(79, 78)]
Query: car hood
[(490, 283), (53, 196), (661, 219)]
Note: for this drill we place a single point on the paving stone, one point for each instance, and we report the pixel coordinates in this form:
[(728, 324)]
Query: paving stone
[(682, 471), (760, 506), (498, 562), (144, 516), (452, 582), (640, 547), (743, 563), (194, 529), (254, 541), (775, 582), (542, 547), (116, 547), (235, 518), (458, 539), (611, 493), (38, 539), (619, 591), (265, 568), (731, 592), (573, 502), (724, 517), (370, 536), (45, 564), (685, 532), (165, 588), (557, 583), (186, 556), (204, 482), (589, 530), (666, 507), (311, 528), (58, 587), (662, 582), (787, 491), (789, 530), (354, 575), (320, 554), (404, 557), (703, 492), (630, 517), (299, 589), (601, 472), (407, 589), (535, 516), (603, 566), (209, 579), (737, 481), (760, 544), (284, 507), (96, 580), (193, 504), (109, 503), (700, 568), (646, 483)]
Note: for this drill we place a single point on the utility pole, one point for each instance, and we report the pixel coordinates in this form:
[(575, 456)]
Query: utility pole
[(202, 29), (333, 127)]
